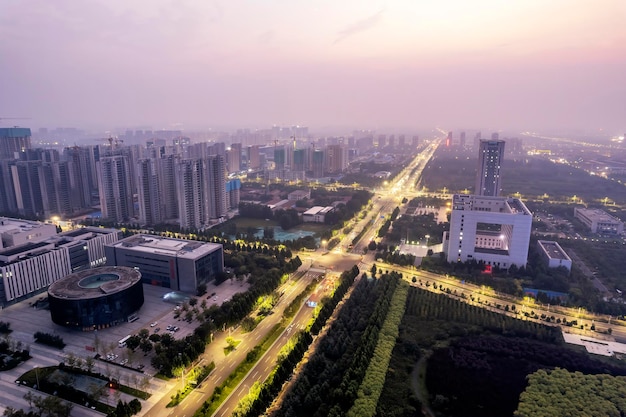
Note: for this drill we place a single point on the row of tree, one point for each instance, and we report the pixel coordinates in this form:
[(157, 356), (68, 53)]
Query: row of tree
[(329, 382), (266, 274), (374, 379)]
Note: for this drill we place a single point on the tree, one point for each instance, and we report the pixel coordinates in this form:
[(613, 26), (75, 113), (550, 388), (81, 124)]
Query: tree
[(145, 346)]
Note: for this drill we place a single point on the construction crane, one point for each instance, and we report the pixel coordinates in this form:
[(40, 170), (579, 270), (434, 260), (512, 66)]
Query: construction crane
[(14, 118), (111, 140)]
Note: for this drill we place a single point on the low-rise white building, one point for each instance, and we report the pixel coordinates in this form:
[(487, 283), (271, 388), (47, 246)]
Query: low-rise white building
[(299, 195), (495, 230), (599, 221), (554, 255), (316, 214), (15, 232)]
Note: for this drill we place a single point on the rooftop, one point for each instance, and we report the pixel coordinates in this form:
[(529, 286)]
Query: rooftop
[(180, 248), (553, 250), (500, 205), (94, 283), (597, 215)]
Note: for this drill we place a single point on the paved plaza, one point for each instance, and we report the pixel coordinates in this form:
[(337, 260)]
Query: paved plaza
[(26, 320)]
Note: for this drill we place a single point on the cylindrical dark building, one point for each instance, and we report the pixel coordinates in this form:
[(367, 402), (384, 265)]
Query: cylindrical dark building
[(96, 298)]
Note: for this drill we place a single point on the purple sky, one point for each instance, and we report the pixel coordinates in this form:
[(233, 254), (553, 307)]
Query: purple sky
[(531, 64)]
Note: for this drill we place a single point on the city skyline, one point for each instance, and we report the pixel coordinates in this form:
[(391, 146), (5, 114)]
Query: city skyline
[(533, 65)]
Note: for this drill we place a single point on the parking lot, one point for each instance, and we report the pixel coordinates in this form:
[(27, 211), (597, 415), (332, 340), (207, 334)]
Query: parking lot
[(26, 320)]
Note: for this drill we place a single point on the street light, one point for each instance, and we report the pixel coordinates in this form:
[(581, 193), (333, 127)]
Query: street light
[(324, 242)]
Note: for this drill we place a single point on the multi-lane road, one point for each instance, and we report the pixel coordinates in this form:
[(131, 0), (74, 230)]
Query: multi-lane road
[(384, 201)]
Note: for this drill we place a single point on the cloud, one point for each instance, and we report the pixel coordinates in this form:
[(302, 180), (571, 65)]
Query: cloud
[(359, 26)]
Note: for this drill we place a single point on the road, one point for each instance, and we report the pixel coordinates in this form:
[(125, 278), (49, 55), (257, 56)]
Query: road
[(224, 365), (264, 367), (320, 261)]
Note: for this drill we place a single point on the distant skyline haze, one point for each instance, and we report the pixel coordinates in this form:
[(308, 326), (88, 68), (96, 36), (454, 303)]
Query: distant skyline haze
[(363, 64)]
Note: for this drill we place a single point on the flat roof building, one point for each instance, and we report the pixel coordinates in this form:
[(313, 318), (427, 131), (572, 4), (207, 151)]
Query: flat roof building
[(495, 230), (178, 264), (15, 232), (28, 269), (599, 221), (316, 214), (554, 255)]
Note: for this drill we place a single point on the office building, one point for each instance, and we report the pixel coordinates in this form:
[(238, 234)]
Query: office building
[(29, 268), (495, 230), (488, 177), (553, 254), (178, 264), (599, 221), (16, 232)]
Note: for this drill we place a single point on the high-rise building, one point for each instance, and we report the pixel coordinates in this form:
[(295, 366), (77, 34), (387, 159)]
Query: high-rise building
[(233, 192), (234, 158), (60, 185), (115, 188), (216, 186), (318, 163), (300, 160), (253, 157), (83, 162), (30, 190), (462, 139), (415, 141), (336, 158), (490, 157), (149, 191), (167, 181), (279, 158), (449, 140), (8, 203), (192, 193), (13, 139)]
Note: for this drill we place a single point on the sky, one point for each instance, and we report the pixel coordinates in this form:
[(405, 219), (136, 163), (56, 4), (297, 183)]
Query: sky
[(507, 64)]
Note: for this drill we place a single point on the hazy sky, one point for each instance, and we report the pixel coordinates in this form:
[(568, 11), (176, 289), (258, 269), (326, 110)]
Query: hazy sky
[(527, 64)]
